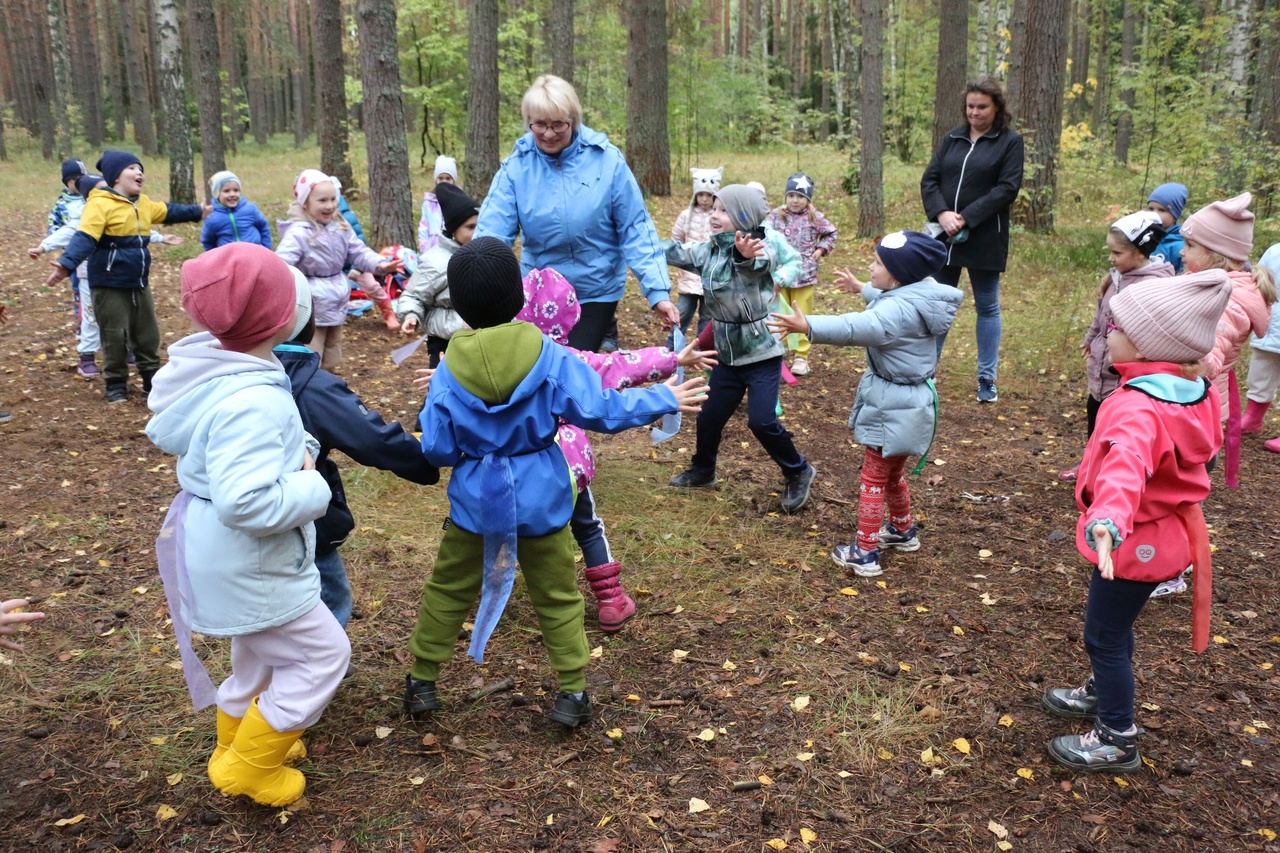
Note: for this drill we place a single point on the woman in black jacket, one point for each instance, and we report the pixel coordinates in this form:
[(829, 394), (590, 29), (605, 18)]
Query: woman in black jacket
[(967, 189)]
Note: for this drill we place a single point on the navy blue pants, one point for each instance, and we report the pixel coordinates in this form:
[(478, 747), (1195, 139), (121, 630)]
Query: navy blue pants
[(588, 531), (759, 383), (1108, 638)]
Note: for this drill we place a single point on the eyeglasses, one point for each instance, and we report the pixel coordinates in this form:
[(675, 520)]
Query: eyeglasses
[(541, 127), (1112, 327)]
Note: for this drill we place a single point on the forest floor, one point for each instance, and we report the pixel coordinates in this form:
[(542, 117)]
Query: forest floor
[(762, 699)]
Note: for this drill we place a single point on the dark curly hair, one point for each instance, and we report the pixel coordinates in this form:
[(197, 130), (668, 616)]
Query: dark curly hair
[(993, 89)]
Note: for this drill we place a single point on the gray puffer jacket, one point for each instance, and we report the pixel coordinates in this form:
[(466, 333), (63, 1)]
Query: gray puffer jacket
[(894, 407)]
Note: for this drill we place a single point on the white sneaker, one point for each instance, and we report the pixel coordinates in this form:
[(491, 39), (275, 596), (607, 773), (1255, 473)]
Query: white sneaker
[(800, 367)]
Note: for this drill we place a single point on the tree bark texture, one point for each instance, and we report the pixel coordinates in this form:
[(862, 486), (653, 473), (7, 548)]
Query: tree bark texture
[(953, 62), (139, 89), (173, 97), (62, 98), (300, 33), (116, 74), (559, 36), (203, 30), (648, 146), (1102, 97), (86, 72), (37, 38), (482, 96), (871, 151), (390, 196), (1036, 78), (326, 31), (1127, 82)]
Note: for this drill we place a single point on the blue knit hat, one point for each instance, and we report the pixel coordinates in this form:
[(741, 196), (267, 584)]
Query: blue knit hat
[(910, 256), (72, 169), (113, 162), (86, 184), (1172, 197)]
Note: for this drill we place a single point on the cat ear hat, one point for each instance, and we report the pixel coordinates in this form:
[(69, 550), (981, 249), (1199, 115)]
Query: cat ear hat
[(706, 181)]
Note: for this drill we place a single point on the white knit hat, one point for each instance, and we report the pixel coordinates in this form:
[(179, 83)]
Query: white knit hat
[(445, 166), (1173, 319)]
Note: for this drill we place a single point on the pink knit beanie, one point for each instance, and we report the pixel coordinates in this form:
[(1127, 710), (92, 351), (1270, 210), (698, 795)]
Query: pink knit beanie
[(1173, 319), (1225, 227), (241, 292)]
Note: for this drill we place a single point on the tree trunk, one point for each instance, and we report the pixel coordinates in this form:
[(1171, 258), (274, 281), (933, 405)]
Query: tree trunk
[(1036, 77), (390, 197), (115, 70), (1232, 162), (648, 147), (482, 96), (984, 37), (326, 34), (1127, 82), (1265, 118), (1002, 42), (1102, 97), (203, 24), (828, 51), (173, 97), (230, 56), (953, 61), (559, 36), (871, 156), (139, 89), (61, 76), (255, 52), (86, 73), (37, 38), (300, 29), (1081, 44)]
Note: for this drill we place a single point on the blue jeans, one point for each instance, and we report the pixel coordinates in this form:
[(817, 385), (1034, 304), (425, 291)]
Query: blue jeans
[(759, 383), (986, 300), (588, 531), (335, 589), (1108, 638)]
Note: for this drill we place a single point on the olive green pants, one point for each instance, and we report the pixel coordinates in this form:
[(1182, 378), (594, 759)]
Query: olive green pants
[(127, 318), (451, 592)]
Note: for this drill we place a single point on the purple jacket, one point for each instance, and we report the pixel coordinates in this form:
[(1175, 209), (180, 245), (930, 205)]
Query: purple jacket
[(320, 254), (1102, 381), (804, 236)]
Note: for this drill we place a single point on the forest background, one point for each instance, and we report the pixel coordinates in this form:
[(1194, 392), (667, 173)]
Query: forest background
[(1170, 89)]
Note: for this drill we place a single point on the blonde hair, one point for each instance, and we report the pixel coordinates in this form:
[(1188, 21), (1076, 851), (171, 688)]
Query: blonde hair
[(1218, 261), (551, 97), (1266, 283)]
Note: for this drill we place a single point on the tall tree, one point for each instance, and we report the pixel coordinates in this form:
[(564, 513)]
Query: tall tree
[(1264, 120), (61, 75), (953, 64), (482, 96), (331, 82), (86, 72), (139, 86), (115, 70), (37, 38), (648, 145), (203, 27), (559, 37), (390, 197), (871, 151), (300, 32), (256, 46), (1036, 81), (173, 98), (1128, 81)]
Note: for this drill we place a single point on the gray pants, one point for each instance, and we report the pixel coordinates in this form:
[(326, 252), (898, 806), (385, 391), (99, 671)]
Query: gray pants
[(126, 319)]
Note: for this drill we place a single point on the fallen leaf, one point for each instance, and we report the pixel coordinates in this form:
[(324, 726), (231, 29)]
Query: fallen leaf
[(614, 734), (728, 666), (1026, 773), (844, 774), (159, 741), (417, 780), (631, 697), (166, 813), (1005, 721), (848, 590), (776, 844), (800, 703), (961, 745), (597, 653), (1004, 845), (174, 779), (1221, 640), (696, 805), (604, 821), (807, 835), (997, 829), (707, 735), (678, 655), (988, 600), (905, 667), (764, 780), (68, 821), (383, 732), (1121, 781), (984, 553), (884, 754), (957, 630), (1267, 834), (805, 756), (1246, 762)]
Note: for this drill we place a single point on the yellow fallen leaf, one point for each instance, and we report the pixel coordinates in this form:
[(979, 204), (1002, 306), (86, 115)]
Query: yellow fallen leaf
[(807, 835), (1221, 640), (984, 553), (1250, 730), (961, 745), (957, 630), (551, 819), (614, 734), (1026, 773), (597, 652), (417, 780), (805, 756), (696, 805), (1265, 665), (707, 735), (905, 667), (848, 590), (764, 780), (383, 732), (678, 609), (173, 779), (988, 600), (68, 821), (776, 844), (604, 821), (997, 829), (1246, 762), (1150, 706), (844, 774), (1005, 721), (678, 655), (800, 703), (1267, 834), (884, 754), (159, 741), (1004, 846), (927, 757), (1121, 781), (1260, 724), (166, 813), (633, 698), (920, 608), (728, 666), (882, 584)]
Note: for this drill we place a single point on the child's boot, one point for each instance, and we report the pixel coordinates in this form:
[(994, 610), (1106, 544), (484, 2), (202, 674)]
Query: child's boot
[(1273, 445), (615, 606), (253, 765), (1103, 750), (117, 391), (389, 314), (1253, 415), (88, 368), (147, 376), (227, 728)]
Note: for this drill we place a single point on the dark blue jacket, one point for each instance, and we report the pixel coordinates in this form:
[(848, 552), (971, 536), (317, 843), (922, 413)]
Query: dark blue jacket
[(114, 233), (339, 421), (242, 224)]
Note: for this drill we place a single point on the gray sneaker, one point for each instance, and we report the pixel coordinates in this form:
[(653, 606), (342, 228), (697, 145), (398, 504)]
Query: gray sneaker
[(1071, 703), (900, 540), (1102, 750), (795, 491), (987, 392)]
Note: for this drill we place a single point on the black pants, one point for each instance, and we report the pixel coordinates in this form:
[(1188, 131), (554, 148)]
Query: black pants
[(435, 349), (1108, 638), (759, 382), (589, 333), (1091, 410)]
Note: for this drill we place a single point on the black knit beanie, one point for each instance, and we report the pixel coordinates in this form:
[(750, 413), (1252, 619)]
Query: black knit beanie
[(484, 283), (113, 162), (71, 170), (456, 207)]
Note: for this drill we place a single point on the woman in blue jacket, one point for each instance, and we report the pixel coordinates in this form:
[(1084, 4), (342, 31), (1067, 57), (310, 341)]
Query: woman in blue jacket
[(569, 195), (235, 219)]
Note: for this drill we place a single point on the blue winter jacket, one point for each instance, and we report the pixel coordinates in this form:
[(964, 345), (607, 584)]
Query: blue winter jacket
[(334, 415), (1170, 248), (498, 399), (894, 407), (580, 213), (243, 223)]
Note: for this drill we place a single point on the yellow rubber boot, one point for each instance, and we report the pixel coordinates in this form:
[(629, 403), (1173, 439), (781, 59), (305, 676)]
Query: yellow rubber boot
[(227, 726), (253, 766)]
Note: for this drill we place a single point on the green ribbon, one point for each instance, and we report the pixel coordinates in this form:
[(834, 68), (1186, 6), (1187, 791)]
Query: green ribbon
[(924, 457)]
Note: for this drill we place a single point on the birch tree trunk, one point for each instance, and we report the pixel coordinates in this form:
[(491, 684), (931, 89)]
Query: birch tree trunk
[(177, 125), (482, 96), (984, 38), (871, 156)]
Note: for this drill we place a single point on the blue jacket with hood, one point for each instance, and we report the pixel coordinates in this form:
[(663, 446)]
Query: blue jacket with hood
[(243, 223)]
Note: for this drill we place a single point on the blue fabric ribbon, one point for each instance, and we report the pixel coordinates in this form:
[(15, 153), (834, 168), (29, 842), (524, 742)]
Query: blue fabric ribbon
[(171, 560), (499, 550), (670, 424)]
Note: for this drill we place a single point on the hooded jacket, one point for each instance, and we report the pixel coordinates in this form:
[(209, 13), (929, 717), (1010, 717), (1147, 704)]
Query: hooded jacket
[(319, 253), (426, 294), (1170, 248), (693, 225), (65, 211), (579, 212), (1102, 380), (497, 400), (249, 541), (333, 414), (805, 233), (114, 232), (1246, 312), (1145, 459), (893, 409), (243, 223)]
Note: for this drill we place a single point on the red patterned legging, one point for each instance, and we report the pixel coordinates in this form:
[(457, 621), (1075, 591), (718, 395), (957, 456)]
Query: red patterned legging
[(880, 476)]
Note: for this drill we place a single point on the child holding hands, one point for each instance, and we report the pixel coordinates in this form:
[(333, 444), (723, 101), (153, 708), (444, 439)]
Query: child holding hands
[(10, 619), (813, 237), (894, 412)]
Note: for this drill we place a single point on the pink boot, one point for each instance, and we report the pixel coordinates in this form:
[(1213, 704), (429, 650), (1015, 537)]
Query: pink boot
[(1273, 445), (1253, 416), (616, 607)]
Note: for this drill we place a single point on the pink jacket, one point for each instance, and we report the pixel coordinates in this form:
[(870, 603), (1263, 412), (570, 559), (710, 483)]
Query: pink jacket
[(1102, 381), (551, 305), (1246, 312), (693, 225)]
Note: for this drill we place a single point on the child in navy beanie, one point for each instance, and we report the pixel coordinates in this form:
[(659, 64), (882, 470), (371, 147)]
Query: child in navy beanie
[(1167, 202)]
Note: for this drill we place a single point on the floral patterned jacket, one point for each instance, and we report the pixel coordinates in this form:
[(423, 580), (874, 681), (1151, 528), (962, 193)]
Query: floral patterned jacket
[(804, 235)]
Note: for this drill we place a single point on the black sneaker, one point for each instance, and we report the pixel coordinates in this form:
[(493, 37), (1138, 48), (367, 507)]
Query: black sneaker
[(571, 711), (1102, 750), (1071, 703), (987, 392), (693, 478), (146, 381), (5, 417), (795, 491), (117, 392), (420, 697)]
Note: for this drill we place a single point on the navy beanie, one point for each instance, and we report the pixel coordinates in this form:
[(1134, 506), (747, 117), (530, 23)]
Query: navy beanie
[(85, 185), (801, 184), (484, 283), (113, 162), (71, 169), (910, 256)]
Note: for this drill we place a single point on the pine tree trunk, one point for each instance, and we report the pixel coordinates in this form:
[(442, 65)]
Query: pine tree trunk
[(61, 76), (824, 129), (139, 89), (559, 36), (953, 61), (871, 151), (482, 96), (1127, 81), (390, 197), (87, 73), (1036, 77), (326, 32), (203, 24), (150, 65), (115, 71), (257, 74), (1102, 96), (230, 57), (301, 34), (648, 147), (173, 97), (38, 38)]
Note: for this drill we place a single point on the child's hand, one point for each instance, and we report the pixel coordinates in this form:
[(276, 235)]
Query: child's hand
[(59, 275), (786, 324), (173, 240), (35, 253), (423, 382), (206, 208), (308, 463), (1102, 543), (690, 394), (9, 621), (847, 282), (747, 246), (385, 268), (1084, 351), (692, 357), (409, 325), (818, 253)]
